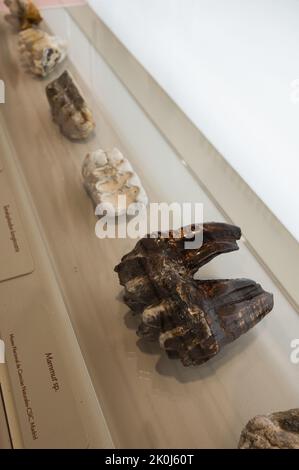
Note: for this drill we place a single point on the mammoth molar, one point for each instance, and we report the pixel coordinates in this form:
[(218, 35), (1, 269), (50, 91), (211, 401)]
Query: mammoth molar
[(191, 319), (107, 176)]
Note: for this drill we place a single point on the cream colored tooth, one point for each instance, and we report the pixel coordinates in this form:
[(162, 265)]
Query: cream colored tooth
[(113, 183), (107, 176), (40, 52)]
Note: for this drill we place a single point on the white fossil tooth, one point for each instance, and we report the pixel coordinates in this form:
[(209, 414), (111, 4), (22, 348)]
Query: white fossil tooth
[(40, 52), (108, 175)]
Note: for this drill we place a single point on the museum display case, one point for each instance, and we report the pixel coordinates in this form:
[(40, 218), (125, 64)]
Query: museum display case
[(76, 106)]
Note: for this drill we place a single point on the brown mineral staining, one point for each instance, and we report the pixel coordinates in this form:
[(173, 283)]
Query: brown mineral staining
[(275, 431), (69, 109), (40, 52), (24, 13), (191, 319)]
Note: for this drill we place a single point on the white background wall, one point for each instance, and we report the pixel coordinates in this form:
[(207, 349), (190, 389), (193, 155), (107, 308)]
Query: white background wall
[(229, 65)]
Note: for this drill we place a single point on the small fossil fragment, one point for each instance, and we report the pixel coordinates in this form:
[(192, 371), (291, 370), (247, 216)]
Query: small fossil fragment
[(69, 108), (40, 52), (275, 431), (107, 176), (192, 319), (24, 13)]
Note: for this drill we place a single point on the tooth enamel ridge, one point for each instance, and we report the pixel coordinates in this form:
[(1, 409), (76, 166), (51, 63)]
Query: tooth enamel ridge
[(107, 175)]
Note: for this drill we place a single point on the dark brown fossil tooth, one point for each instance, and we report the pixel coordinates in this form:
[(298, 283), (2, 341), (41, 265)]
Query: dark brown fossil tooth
[(192, 319)]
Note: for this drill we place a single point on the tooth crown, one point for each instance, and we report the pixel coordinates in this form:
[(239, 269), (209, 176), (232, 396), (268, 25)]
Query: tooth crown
[(192, 319), (108, 175)]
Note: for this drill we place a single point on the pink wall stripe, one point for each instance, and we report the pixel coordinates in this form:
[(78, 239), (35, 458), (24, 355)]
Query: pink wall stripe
[(50, 3)]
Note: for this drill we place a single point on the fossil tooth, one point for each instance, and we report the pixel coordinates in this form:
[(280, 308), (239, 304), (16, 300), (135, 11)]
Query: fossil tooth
[(69, 108), (40, 52), (108, 175), (192, 319), (24, 12), (275, 431)]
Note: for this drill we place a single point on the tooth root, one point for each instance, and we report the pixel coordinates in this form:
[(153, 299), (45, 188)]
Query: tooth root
[(217, 239), (238, 304)]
